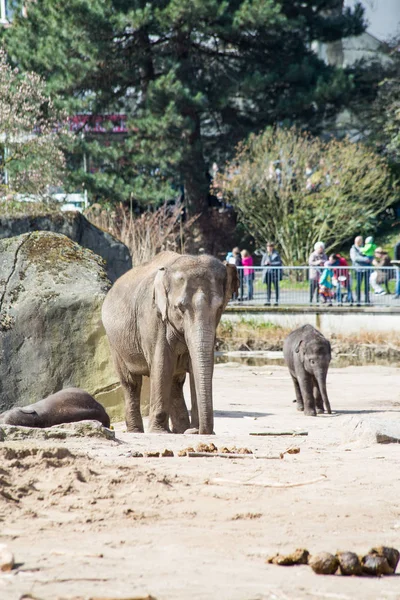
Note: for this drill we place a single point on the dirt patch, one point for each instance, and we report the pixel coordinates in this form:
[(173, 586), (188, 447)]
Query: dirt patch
[(95, 518)]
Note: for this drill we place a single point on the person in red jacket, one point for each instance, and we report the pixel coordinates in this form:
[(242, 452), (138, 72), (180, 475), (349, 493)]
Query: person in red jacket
[(343, 278), (248, 272)]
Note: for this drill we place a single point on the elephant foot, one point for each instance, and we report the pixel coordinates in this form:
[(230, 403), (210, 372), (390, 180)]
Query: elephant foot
[(135, 429), (300, 407), (320, 411), (180, 427), (155, 429), (195, 430), (310, 413)]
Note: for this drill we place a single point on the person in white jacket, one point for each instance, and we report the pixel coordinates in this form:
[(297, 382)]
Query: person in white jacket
[(317, 259)]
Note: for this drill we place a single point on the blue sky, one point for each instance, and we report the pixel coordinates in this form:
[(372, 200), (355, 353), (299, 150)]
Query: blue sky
[(383, 17)]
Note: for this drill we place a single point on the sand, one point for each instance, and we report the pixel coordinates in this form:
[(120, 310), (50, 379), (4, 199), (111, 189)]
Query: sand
[(86, 519)]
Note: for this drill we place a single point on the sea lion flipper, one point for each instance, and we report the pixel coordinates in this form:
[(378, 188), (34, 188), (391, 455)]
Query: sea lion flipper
[(29, 410)]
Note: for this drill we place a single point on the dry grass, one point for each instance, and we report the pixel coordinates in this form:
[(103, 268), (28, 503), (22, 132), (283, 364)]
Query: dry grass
[(252, 335), (145, 234), (368, 338)]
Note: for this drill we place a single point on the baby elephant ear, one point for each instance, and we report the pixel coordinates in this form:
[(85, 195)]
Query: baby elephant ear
[(160, 293), (297, 349)]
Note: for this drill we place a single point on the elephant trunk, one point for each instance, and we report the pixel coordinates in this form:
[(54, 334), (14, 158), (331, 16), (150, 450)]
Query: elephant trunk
[(201, 343), (321, 379)]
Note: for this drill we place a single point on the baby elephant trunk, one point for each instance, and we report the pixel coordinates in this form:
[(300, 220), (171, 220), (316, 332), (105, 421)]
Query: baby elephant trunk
[(321, 380)]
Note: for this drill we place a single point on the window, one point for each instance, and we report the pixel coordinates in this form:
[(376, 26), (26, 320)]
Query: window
[(10, 9), (7, 10)]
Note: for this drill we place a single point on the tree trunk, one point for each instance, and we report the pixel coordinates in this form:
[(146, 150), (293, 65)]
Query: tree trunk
[(196, 179)]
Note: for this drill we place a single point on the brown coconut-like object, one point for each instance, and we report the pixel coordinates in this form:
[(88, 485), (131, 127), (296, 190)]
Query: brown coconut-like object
[(6, 558), (391, 554), (349, 563), (324, 563), (373, 564), (298, 557)]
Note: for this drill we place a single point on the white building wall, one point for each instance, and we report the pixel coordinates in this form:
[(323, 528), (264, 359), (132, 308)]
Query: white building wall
[(3, 11)]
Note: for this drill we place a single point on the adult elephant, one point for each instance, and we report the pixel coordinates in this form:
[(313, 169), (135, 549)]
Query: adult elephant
[(161, 319)]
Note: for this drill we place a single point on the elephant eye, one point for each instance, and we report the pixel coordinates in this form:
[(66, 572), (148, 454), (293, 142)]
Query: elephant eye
[(312, 362)]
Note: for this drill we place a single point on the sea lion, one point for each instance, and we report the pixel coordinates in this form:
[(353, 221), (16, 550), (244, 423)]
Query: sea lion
[(65, 406)]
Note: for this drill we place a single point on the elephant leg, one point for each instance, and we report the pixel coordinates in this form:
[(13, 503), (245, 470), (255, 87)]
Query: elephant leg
[(319, 403), (299, 398), (132, 387), (194, 413), (178, 411), (160, 391), (306, 388)]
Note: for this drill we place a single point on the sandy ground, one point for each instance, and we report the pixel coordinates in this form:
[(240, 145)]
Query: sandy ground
[(86, 519)]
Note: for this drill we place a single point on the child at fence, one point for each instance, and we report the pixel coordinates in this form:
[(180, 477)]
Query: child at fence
[(379, 276), (342, 279), (326, 287), (369, 248)]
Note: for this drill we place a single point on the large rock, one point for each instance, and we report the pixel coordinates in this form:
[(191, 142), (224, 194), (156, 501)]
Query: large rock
[(51, 334), (371, 430), (75, 226)]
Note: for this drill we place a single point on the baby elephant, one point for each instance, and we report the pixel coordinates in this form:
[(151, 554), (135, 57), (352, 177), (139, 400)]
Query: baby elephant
[(307, 354), (65, 406)]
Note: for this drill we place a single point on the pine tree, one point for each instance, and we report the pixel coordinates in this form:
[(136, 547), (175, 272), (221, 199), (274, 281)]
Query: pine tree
[(193, 77)]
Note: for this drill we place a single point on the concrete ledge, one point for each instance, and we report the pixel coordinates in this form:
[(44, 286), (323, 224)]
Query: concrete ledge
[(387, 310)]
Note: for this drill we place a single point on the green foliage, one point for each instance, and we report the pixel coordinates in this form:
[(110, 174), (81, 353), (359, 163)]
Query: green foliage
[(387, 116), (193, 76), (14, 208), (375, 105), (31, 158), (297, 189)]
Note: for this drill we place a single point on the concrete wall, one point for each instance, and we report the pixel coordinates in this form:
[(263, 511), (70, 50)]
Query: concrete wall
[(328, 321)]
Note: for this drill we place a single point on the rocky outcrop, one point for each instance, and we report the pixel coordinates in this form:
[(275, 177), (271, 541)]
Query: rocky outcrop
[(51, 334), (370, 430), (64, 431), (78, 229)]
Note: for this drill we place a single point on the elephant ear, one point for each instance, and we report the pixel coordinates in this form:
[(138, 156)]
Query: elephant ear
[(232, 283), (300, 349), (160, 293)]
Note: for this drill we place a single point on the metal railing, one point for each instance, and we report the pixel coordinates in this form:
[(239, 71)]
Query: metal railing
[(304, 286)]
